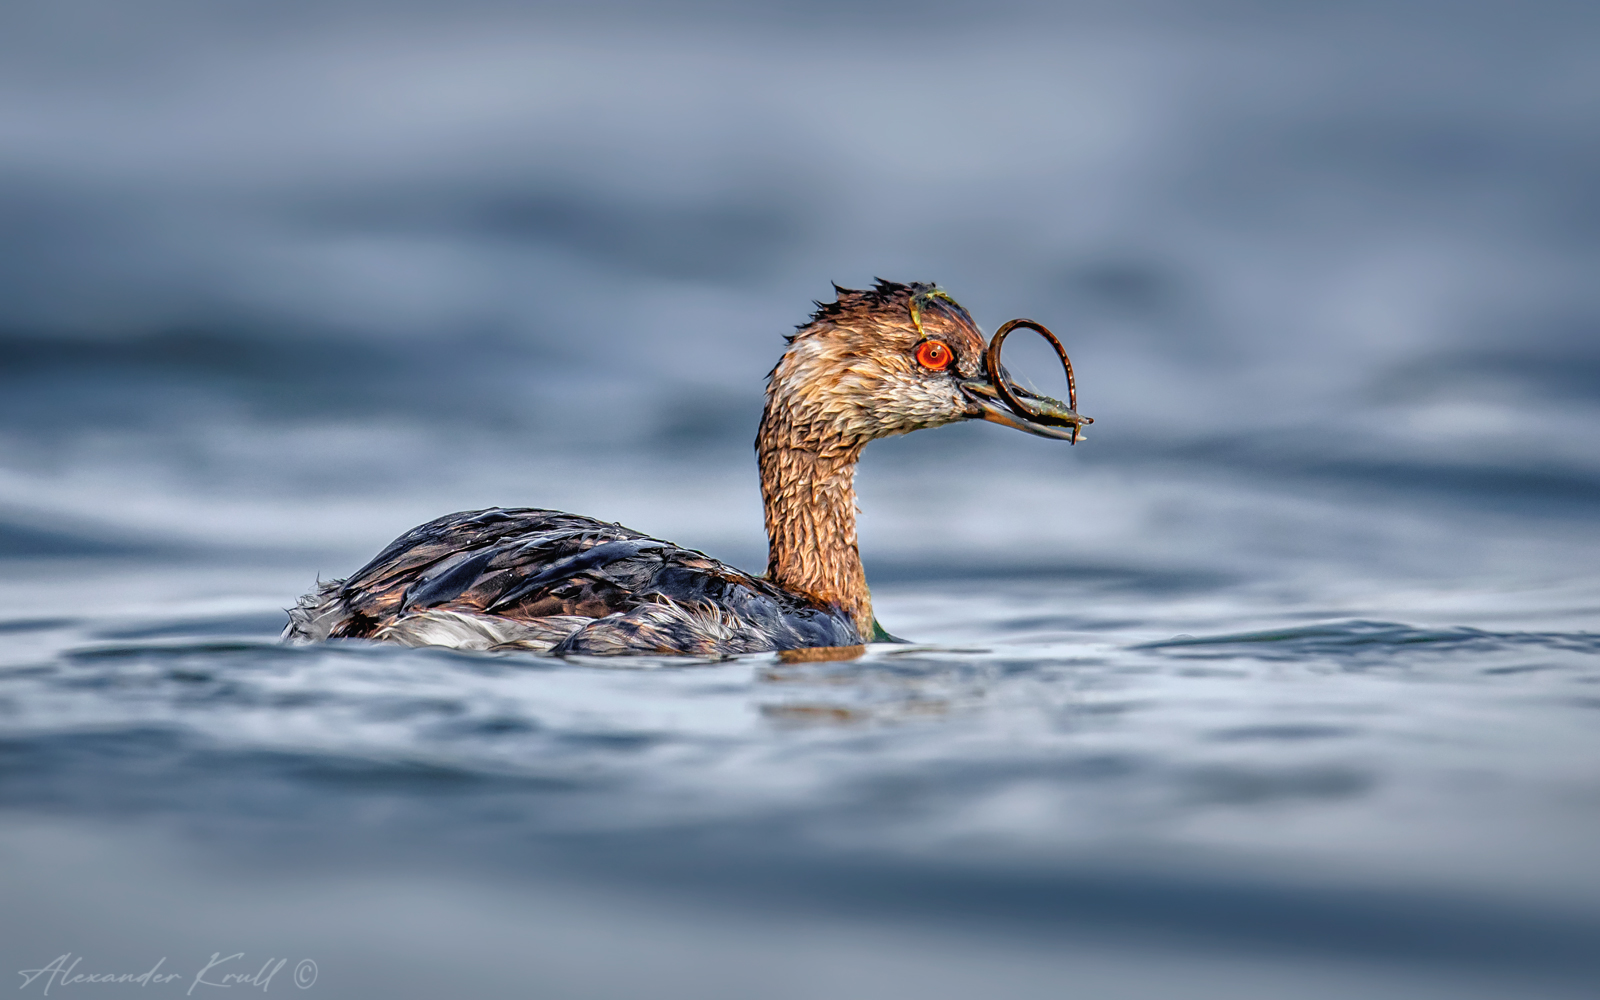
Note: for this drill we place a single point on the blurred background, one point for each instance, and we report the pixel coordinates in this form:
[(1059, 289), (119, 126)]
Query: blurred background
[(313, 258), (280, 280)]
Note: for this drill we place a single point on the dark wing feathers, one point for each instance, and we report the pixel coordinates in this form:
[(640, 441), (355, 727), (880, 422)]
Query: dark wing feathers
[(599, 557), (527, 564)]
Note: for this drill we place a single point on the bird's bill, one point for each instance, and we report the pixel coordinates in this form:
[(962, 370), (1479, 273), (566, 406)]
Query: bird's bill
[(1045, 417)]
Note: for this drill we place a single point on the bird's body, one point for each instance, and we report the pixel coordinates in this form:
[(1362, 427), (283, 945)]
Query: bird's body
[(542, 580), (885, 361)]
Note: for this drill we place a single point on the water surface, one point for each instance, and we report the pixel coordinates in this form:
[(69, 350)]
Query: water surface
[(1284, 682)]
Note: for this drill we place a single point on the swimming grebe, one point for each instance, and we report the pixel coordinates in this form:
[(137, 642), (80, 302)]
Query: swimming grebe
[(888, 360)]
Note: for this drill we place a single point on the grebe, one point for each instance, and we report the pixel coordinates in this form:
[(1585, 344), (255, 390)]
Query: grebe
[(888, 360)]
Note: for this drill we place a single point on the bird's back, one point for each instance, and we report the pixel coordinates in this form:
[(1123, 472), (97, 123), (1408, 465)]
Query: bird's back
[(543, 580)]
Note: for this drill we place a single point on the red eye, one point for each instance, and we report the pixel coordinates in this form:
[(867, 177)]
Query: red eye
[(934, 354)]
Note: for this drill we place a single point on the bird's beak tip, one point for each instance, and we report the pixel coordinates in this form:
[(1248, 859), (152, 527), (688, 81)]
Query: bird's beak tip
[(1046, 417)]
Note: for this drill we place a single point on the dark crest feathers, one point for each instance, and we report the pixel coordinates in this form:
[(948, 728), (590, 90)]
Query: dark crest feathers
[(883, 294)]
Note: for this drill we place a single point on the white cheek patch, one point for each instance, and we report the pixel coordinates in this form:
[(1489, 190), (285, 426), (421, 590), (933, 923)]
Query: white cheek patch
[(908, 402)]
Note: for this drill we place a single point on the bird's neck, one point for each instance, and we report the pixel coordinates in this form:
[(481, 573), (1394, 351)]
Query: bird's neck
[(808, 489)]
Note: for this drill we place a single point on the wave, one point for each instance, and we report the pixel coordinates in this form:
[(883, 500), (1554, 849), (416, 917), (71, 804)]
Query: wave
[(23, 537), (1356, 636)]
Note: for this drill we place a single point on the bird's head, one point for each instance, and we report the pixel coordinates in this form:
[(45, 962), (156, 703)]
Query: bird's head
[(896, 358)]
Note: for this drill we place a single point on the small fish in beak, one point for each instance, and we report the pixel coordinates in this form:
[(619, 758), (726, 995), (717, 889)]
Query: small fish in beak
[(1000, 399)]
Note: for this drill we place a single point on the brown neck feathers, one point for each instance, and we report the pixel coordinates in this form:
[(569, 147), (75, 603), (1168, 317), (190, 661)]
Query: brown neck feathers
[(808, 488)]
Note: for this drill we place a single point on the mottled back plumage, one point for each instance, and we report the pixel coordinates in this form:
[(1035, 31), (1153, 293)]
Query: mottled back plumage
[(546, 581)]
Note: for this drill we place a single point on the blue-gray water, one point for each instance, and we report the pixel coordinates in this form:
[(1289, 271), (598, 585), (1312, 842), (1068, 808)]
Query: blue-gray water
[(1284, 682)]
